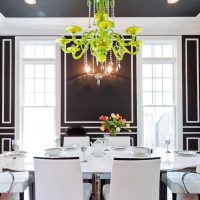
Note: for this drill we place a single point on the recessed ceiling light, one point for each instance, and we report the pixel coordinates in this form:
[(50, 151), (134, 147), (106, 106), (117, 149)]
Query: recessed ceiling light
[(32, 2), (172, 1)]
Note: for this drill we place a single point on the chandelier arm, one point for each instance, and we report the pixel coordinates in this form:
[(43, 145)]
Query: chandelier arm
[(131, 52), (74, 39), (82, 52), (73, 49), (85, 36), (121, 41), (119, 57)]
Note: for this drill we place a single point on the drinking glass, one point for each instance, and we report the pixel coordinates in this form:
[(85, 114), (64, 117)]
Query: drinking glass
[(15, 144), (167, 142), (84, 149), (106, 140)]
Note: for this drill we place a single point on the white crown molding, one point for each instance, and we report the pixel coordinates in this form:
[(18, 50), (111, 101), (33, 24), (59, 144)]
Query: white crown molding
[(1, 19), (55, 26)]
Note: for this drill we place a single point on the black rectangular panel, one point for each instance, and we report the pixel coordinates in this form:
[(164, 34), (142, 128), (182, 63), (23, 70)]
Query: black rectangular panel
[(82, 101), (7, 81), (5, 142), (192, 142), (191, 74)]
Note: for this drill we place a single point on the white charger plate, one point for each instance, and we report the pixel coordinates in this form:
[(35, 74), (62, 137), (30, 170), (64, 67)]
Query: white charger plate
[(71, 147), (15, 154), (186, 153), (119, 148)]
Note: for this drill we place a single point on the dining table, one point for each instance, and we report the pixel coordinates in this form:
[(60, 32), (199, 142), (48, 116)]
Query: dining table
[(99, 166)]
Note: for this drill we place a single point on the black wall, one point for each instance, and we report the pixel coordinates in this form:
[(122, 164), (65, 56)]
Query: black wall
[(7, 92), (191, 92), (82, 101)]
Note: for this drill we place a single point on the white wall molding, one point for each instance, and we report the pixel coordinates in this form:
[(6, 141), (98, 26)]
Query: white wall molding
[(186, 79), (9, 121), (55, 26)]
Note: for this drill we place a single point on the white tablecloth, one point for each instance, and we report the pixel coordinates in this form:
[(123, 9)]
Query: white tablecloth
[(102, 164)]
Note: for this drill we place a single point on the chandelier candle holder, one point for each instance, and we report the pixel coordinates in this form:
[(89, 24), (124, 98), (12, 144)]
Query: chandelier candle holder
[(101, 40)]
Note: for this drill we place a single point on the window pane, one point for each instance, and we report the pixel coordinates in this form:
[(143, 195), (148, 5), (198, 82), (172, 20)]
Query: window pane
[(39, 85), (159, 125), (168, 50), (29, 51), (39, 99), (29, 85), (167, 84), (147, 84), (157, 70), (50, 99), (39, 71), (39, 51), (157, 84), (38, 129), (29, 99), (147, 51), (50, 51), (147, 98), (168, 98), (168, 70), (157, 50), (157, 98), (49, 71), (50, 85), (29, 71)]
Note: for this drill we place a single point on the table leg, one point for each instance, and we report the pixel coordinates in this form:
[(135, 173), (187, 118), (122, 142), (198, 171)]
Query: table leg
[(96, 186)]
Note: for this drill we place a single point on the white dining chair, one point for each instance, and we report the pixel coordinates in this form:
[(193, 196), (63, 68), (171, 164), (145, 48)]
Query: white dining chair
[(135, 179), (84, 140), (119, 140), (182, 183), (14, 182), (60, 178)]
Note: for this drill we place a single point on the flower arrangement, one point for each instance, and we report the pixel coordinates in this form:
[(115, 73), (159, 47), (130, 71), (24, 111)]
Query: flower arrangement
[(113, 124)]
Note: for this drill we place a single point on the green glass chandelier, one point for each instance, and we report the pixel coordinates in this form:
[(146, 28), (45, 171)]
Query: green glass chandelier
[(101, 40)]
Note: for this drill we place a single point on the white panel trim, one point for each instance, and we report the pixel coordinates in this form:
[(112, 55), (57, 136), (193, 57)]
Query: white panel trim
[(7, 134), (186, 80), (3, 141), (92, 122), (7, 128), (93, 127), (193, 138), (3, 82), (185, 133), (102, 133), (191, 126)]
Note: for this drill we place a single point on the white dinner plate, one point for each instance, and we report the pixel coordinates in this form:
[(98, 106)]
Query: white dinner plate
[(71, 147), (16, 154), (186, 153), (119, 148)]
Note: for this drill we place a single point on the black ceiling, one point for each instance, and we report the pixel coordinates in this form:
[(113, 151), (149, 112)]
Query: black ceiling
[(78, 8)]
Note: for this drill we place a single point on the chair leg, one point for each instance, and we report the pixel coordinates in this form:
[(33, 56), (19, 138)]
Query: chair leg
[(199, 196), (32, 191), (21, 195), (174, 195), (163, 191)]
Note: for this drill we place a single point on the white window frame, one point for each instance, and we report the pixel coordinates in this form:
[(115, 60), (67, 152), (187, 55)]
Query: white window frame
[(19, 80), (177, 84)]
